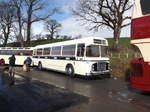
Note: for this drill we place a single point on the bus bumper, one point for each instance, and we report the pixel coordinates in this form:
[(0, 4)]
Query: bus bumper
[(100, 74)]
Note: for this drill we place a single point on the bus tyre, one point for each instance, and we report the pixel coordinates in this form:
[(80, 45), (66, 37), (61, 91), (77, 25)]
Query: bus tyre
[(70, 70), (40, 66)]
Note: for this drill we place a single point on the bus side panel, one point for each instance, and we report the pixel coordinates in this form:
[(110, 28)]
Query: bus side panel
[(19, 59), (140, 28), (80, 67), (140, 78), (54, 64)]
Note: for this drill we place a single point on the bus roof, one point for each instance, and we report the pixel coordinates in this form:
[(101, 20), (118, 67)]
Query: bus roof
[(16, 48), (88, 40)]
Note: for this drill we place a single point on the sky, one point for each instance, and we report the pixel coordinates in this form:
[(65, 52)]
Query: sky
[(72, 27)]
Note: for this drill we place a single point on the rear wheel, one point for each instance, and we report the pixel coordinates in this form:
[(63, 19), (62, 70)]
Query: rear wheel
[(40, 66), (70, 70)]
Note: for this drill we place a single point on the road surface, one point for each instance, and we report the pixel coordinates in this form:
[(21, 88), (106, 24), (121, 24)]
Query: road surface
[(105, 95)]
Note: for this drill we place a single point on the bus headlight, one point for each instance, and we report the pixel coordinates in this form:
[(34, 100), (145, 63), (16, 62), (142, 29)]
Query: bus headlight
[(94, 67)]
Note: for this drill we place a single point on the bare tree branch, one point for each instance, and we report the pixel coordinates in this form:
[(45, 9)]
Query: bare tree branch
[(7, 15), (99, 13), (53, 27)]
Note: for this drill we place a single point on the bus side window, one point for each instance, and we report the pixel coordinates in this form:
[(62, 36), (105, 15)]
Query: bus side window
[(80, 50), (145, 6), (39, 51)]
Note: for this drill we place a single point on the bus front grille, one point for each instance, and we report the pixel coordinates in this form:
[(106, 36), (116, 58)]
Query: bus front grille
[(101, 66)]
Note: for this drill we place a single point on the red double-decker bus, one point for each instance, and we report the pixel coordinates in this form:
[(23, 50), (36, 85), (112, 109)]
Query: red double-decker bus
[(140, 37)]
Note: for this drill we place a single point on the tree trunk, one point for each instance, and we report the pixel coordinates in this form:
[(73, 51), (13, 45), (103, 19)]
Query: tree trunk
[(52, 35), (29, 25), (28, 33), (21, 40), (6, 34), (117, 32), (20, 28), (6, 39)]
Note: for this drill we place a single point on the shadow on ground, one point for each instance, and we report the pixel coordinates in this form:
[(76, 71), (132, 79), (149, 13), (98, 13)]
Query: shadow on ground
[(36, 96)]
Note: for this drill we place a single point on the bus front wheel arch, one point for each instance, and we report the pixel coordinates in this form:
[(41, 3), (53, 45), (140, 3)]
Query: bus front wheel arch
[(70, 70)]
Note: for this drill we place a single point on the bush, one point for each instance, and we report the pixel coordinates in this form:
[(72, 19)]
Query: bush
[(119, 67)]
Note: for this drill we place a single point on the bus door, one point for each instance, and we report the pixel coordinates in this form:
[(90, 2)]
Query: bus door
[(80, 51)]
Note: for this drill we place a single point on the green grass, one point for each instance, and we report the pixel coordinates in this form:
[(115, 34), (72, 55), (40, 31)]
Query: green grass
[(41, 42), (123, 42), (36, 42), (120, 67)]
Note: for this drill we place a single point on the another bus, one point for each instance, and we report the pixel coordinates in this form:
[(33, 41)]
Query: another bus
[(21, 53), (86, 56), (140, 37)]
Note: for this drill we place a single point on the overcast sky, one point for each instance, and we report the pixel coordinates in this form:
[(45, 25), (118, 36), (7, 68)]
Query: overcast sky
[(70, 26)]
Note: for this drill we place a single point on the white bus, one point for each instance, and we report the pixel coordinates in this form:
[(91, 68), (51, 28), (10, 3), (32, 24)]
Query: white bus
[(86, 56), (21, 53)]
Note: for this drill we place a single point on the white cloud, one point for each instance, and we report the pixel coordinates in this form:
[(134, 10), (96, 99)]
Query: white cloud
[(73, 28)]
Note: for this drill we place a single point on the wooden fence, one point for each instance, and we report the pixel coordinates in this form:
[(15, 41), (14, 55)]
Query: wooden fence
[(124, 55)]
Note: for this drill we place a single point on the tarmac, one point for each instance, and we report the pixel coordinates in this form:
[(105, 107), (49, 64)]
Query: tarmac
[(47, 91), (31, 95)]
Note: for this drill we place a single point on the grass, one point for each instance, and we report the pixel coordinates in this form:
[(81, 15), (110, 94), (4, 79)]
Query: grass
[(36, 42), (120, 67), (123, 42)]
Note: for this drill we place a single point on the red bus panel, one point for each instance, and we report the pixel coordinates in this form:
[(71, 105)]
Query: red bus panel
[(140, 28), (140, 74)]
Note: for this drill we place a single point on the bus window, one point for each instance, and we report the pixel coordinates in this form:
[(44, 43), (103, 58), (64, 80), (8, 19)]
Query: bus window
[(104, 51), (39, 51), (56, 51), (80, 50), (92, 51), (68, 50), (46, 51), (145, 7)]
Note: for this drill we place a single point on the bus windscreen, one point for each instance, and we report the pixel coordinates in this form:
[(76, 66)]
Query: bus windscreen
[(145, 5)]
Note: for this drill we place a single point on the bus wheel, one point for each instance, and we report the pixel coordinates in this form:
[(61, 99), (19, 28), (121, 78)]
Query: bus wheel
[(40, 66), (70, 70)]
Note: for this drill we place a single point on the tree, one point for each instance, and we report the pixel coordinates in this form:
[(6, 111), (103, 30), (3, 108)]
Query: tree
[(32, 7), (7, 15), (18, 4), (100, 13), (53, 27)]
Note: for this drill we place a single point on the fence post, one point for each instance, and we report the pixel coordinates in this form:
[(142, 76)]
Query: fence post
[(127, 55), (111, 55), (119, 55)]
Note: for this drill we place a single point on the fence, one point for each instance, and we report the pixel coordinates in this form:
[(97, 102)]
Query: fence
[(125, 55)]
